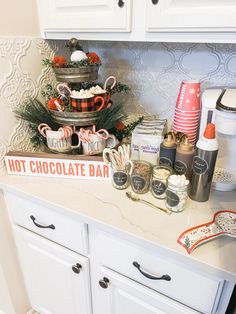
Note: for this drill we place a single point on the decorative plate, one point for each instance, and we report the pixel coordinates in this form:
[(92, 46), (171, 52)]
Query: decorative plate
[(223, 223)]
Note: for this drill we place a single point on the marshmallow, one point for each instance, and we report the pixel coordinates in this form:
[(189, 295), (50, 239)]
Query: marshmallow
[(81, 94), (97, 90)]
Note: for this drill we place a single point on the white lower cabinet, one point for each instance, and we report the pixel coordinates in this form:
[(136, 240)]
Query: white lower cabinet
[(117, 294), (57, 279), (126, 276)]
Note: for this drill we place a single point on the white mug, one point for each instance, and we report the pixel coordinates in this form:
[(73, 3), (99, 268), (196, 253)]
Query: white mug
[(98, 144), (58, 143)]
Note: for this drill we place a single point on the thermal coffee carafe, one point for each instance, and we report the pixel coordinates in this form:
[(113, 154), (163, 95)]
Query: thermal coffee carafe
[(204, 165)]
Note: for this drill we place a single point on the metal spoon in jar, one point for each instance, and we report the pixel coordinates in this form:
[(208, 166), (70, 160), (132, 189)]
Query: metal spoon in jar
[(135, 198)]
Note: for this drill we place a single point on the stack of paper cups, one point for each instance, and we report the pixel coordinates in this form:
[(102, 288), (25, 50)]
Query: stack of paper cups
[(187, 110)]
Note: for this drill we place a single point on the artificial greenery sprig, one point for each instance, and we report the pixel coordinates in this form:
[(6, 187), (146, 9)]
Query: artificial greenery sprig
[(108, 118), (125, 130), (75, 64), (35, 113)]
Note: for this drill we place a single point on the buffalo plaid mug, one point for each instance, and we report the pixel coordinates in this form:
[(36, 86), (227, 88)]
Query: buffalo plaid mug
[(95, 103), (104, 92), (83, 100)]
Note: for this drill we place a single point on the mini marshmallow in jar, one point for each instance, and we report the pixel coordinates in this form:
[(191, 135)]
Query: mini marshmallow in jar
[(177, 193)]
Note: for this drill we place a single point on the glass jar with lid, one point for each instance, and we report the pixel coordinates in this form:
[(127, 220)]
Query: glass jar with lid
[(160, 175), (176, 193), (141, 176)]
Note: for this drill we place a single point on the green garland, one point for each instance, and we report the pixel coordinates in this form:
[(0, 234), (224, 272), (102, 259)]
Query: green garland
[(72, 64), (127, 131), (35, 113)]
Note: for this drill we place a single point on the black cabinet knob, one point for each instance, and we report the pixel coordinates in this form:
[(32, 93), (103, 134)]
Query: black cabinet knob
[(76, 268), (121, 3), (104, 282), (155, 1)]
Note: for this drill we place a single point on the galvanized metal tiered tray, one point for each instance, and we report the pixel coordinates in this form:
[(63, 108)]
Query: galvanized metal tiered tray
[(77, 118), (77, 75)]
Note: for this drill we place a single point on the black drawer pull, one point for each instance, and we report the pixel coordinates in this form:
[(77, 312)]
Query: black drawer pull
[(40, 226), (121, 3), (155, 1), (164, 277)]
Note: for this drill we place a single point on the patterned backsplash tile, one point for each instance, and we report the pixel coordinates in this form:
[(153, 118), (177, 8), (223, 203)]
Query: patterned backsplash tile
[(153, 71)]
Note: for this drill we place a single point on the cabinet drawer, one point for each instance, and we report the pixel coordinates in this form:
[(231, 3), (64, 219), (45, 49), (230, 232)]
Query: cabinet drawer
[(48, 223), (194, 289)]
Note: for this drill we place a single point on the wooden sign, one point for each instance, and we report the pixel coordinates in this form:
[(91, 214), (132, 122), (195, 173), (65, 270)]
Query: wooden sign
[(57, 165)]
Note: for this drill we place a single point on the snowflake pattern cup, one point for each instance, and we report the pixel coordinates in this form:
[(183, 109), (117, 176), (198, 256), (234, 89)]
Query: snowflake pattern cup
[(223, 223)]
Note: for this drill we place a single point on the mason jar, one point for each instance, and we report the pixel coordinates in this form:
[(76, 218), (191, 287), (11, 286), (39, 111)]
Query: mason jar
[(160, 175), (176, 196), (141, 176), (120, 176)]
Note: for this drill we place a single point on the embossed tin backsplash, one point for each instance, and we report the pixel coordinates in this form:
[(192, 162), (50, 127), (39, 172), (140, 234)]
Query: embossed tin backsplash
[(152, 70)]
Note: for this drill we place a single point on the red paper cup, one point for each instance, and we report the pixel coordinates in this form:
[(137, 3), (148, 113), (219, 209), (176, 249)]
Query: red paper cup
[(188, 132), (187, 113), (186, 127), (186, 122), (189, 96)]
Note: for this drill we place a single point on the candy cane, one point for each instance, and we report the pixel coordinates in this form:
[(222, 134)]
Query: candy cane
[(108, 79), (66, 131), (42, 128), (59, 107), (61, 87), (106, 152), (102, 131), (84, 135)]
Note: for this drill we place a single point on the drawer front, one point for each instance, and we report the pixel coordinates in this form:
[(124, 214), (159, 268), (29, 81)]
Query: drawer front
[(48, 223), (194, 289)]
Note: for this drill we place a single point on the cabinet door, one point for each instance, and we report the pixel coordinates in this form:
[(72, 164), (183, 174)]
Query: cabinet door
[(116, 294), (85, 15), (53, 286), (190, 16)]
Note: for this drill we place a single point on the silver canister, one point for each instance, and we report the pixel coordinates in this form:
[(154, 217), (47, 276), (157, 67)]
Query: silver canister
[(202, 174)]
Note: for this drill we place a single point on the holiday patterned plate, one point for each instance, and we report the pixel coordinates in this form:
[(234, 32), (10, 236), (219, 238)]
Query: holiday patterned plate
[(223, 223)]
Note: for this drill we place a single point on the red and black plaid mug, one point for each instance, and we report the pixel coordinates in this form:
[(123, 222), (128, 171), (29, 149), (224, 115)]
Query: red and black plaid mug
[(106, 96), (95, 103)]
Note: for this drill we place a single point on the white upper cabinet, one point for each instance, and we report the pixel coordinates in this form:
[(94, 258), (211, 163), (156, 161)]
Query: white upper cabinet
[(139, 20), (85, 15), (191, 15)]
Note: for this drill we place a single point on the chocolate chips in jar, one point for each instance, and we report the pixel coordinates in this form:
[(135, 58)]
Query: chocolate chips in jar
[(141, 176)]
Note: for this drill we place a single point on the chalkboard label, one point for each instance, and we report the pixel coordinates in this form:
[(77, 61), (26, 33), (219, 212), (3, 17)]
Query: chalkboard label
[(200, 166), (165, 162), (120, 178), (138, 182), (172, 199), (158, 187), (180, 167)]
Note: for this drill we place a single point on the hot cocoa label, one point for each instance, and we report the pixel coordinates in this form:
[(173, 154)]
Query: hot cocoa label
[(158, 187), (180, 167), (120, 178), (172, 199), (165, 162), (200, 166), (138, 182)]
